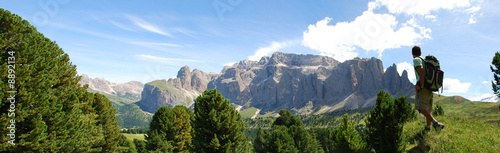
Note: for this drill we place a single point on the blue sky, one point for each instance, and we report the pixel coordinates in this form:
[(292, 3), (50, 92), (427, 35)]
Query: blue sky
[(123, 41)]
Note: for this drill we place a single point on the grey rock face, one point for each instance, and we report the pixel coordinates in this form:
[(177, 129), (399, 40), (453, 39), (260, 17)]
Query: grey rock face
[(131, 89), (288, 81)]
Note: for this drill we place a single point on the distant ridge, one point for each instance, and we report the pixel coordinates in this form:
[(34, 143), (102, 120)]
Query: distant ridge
[(284, 81)]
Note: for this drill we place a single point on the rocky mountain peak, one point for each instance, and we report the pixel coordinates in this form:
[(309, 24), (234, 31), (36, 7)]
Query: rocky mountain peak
[(287, 81), (301, 60), (184, 72)]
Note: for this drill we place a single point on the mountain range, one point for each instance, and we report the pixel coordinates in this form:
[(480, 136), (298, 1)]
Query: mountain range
[(303, 83)]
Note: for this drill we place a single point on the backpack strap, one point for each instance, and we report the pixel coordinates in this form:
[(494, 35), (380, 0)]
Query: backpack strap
[(423, 65)]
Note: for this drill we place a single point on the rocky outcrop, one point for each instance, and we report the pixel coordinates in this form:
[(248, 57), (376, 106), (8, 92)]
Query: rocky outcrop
[(291, 81), (131, 89)]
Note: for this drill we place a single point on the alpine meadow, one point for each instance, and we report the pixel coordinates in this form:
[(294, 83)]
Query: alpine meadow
[(242, 76)]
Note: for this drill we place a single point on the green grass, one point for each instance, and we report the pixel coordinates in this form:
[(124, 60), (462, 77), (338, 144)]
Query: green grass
[(134, 136), (248, 113), (164, 85), (470, 127)]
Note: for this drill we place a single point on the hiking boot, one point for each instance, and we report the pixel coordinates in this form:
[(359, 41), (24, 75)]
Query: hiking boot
[(427, 128), (438, 126)]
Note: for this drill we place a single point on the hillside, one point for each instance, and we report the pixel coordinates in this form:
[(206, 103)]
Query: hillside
[(123, 97), (470, 127)]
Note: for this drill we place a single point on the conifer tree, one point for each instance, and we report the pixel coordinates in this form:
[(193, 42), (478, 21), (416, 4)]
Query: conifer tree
[(285, 128), (172, 127), (217, 125), (346, 138), (385, 125), (140, 146), (260, 141), (51, 111), (495, 68)]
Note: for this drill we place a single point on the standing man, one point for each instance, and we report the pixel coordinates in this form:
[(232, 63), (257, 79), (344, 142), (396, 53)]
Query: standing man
[(424, 95)]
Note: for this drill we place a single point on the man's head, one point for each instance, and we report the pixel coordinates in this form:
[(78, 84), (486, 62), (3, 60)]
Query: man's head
[(415, 51)]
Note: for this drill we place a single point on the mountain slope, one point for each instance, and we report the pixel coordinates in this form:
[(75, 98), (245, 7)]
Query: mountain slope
[(123, 96), (284, 81), (470, 127), (118, 94)]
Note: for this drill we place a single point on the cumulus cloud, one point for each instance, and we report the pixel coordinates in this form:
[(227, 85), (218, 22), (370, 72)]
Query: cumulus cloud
[(265, 51), (485, 82), (419, 7), (455, 86), (370, 31)]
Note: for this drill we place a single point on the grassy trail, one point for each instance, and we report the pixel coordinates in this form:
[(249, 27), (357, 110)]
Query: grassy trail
[(470, 127)]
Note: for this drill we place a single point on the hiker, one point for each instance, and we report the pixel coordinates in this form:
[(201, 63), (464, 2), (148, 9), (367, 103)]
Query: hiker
[(424, 95)]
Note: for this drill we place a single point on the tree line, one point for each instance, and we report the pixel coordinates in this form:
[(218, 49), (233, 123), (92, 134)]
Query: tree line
[(53, 113)]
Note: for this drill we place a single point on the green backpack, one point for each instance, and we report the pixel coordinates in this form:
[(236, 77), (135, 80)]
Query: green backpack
[(433, 73)]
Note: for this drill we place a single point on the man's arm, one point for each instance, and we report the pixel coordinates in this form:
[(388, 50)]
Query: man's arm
[(421, 74)]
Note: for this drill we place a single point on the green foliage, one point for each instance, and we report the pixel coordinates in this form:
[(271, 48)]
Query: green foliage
[(496, 73), (140, 146), (346, 138), (170, 130), (217, 125), (438, 110), (52, 111), (385, 124), (279, 140), (126, 145), (287, 134)]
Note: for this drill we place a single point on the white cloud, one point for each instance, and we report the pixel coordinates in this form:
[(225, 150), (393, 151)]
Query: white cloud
[(418, 7), (148, 26), (473, 9), (164, 59), (230, 64), (428, 16), (370, 31), (409, 69), (265, 51), (485, 82), (472, 20), (486, 98), (155, 44), (121, 26), (455, 86)]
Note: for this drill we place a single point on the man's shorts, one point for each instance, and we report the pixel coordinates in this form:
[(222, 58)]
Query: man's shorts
[(424, 99)]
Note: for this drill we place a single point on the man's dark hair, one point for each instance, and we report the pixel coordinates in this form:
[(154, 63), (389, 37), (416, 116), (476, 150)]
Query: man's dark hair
[(416, 50)]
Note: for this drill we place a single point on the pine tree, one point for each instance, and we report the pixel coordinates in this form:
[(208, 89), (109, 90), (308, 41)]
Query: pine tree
[(285, 128), (260, 141), (496, 73), (140, 146), (281, 141), (170, 129), (53, 113), (217, 125), (346, 138), (107, 120), (385, 125)]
